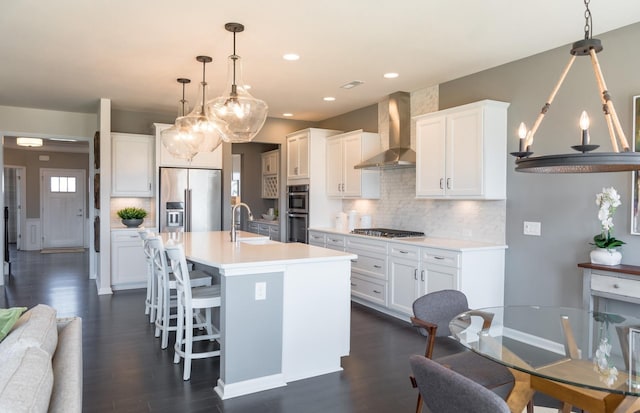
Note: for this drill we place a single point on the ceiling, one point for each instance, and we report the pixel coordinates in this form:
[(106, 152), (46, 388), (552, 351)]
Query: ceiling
[(66, 54)]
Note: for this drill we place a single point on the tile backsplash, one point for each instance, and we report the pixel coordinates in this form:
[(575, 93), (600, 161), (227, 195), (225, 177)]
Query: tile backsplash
[(398, 208), (146, 203)]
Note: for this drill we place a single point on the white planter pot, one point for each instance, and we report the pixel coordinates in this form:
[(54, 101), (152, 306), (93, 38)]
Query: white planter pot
[(604, 256)]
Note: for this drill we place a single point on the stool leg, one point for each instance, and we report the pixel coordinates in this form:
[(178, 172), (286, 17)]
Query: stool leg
[(188, 345), (179, 335)]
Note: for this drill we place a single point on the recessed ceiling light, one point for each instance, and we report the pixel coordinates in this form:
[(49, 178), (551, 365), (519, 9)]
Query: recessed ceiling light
[(390, 75), (291, 57), (328, 98), (352, 84), (287, 114)]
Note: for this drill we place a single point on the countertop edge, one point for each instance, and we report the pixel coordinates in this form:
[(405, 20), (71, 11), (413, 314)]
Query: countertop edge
[(424, 242)]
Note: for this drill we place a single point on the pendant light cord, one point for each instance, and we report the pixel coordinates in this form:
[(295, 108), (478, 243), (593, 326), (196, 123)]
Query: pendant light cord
[(182, 101), (204, 84), (235, 57)]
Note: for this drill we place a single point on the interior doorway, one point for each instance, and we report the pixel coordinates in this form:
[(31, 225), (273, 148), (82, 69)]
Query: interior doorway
[(14, 190)]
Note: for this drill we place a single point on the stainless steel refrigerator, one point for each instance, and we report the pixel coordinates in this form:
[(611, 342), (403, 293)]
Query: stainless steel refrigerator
[(190, 200)]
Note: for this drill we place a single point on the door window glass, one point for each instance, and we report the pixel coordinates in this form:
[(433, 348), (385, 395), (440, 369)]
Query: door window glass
[(63, 184)]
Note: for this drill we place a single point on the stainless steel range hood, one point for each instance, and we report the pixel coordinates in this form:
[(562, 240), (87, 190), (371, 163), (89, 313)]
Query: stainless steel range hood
[(399, 154)]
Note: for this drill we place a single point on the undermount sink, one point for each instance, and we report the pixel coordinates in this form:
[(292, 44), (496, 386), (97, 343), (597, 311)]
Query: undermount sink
[(258, 241)]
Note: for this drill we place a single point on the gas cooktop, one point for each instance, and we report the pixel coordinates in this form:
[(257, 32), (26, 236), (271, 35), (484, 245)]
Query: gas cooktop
[(386, 232)]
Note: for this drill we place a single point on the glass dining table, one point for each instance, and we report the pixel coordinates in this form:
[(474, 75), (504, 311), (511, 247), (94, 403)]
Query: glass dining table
[(589, 360)]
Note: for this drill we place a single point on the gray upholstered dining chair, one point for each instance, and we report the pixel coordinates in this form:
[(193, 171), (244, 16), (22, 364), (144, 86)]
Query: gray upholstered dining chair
[(445, 391), (432, 314)]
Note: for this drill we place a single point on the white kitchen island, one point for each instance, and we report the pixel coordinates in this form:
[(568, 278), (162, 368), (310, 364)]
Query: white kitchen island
[(285, 311)]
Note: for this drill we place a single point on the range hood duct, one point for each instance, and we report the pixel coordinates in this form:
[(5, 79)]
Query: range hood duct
[(399, 154)]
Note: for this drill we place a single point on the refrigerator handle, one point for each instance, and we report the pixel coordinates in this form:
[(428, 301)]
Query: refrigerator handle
[(187, 210)]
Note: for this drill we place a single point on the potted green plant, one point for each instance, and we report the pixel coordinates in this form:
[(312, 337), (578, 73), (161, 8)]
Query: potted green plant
[(132, 217)]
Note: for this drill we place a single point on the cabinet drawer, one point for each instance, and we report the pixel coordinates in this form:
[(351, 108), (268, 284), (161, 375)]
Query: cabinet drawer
[(373, 266), (335, 242), (441, 257), (404, 251), (615, 285), (360, 244), (125, 236), (317, 238), (370, 291)]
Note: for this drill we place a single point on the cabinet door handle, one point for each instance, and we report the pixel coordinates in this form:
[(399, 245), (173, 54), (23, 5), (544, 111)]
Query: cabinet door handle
[(403, 252), (354, 284), (616, 285), (377, 292), (415, 274), (441, 183), (422, 275), (354, 261), (435, 257), (448, 183), (149, 186), (377, 266)]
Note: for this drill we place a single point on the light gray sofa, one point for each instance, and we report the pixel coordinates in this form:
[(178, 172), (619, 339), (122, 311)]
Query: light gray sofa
[(41, 361)]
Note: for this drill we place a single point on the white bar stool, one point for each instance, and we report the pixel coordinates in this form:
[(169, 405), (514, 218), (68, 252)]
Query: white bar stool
[(150, 303), (166, 286), (190, 300)]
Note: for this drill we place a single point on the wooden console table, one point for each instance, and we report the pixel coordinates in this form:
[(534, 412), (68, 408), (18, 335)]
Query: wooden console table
[(615, 282)]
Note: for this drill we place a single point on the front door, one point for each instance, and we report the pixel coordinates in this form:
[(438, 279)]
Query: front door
[(62, 211)]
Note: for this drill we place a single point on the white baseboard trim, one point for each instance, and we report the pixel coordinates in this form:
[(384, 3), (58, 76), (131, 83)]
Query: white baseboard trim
[(227, 391), (534, 341)]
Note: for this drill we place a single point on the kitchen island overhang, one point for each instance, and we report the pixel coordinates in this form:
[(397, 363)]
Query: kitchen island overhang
[(285, 311)]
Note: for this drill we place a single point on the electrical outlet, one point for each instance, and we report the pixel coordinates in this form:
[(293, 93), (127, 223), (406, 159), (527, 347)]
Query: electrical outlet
[(532, 228), (261, 291)]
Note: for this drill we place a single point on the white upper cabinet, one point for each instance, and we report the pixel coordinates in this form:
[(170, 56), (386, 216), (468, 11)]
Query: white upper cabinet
[(131, 165), (298, 156), (270, 181), (209, 160), (305, 155), (462, 152), (344, 152)]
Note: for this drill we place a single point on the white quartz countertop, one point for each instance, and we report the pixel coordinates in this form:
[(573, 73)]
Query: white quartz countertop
[(430, 242), (215, 249)]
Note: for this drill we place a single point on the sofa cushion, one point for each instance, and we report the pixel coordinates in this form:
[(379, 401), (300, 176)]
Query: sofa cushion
[(37, 327), (26, 380), (8, 317)]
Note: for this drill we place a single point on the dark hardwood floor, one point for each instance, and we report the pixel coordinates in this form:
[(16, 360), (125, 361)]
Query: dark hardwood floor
[(126, 371)]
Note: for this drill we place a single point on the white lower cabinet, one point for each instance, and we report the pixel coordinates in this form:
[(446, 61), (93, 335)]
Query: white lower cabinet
[(128, 262), (369, 271), (390, 275), (404, 277)]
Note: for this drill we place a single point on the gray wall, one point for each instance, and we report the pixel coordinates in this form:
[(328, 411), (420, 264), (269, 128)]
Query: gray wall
[(251, 178), (542, 270), (365, 118)]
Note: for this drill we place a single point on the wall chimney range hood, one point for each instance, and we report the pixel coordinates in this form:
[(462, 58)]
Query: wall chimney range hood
[(398, 127)]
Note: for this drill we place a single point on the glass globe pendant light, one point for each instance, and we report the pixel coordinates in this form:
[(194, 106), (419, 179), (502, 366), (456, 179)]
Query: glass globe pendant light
[(197, 121), (242, 114), (179, 141)]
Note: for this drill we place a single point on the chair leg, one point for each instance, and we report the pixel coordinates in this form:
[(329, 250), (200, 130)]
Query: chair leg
[(166, 319), (419, 404)]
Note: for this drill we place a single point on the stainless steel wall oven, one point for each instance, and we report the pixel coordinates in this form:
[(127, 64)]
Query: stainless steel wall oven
[(297, 213)]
